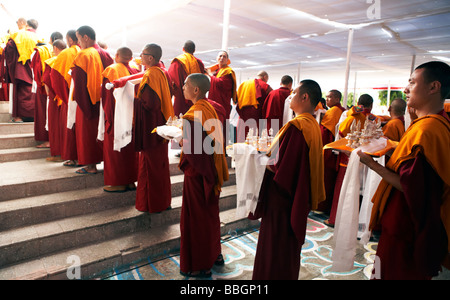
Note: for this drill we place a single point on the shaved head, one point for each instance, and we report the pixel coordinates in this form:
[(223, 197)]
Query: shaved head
[(201, 81), (398, 107), (125, 54)]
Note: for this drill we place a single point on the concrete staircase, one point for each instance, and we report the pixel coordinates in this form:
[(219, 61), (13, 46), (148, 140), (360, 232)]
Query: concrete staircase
[(52, 219)]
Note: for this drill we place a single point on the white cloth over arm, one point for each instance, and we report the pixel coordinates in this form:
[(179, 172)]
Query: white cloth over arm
[(123, 114), (347, 217), (250, 169), (288, 113)]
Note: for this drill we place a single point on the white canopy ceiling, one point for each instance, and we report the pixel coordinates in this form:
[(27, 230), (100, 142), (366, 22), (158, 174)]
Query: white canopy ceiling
[(304, 39)]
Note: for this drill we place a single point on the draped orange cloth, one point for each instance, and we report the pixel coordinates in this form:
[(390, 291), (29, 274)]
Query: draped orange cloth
[(90, 62), (308, 125), (429, 135), (25, 42), (358, 113), (156, 79), (209, 114), (115, 72), (189, 63), (50, 63), (246, 94), (65, 61), (45, 52), (394, 129), (331, 118), (229, 71)]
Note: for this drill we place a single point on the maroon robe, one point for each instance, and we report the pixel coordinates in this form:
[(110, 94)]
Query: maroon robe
[(413, 241), (284, 205), (89, 149), (178, 75), (68, 142), (54, 115), (154, 192), (120, 168), (200, 221), (221, 91), (21, 77), (251, 113), (40, 100), (4, 95), (273, 108)]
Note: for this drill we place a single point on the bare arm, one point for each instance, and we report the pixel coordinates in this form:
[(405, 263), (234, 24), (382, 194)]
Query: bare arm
[(391, 177)]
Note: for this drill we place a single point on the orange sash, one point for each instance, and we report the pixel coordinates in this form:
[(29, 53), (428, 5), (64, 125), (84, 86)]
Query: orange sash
[(209, 114), (246, 94), (394, 130), (51, 62), (64, 62), (227, 71), (155, 78), (116, 71), (447, 107), (189, 63), (26, 43), (429, 135), (45, 52), (308, 125), (90, 62), (331, 118)]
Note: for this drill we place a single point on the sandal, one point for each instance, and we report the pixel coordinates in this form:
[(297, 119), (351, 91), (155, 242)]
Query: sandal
[(84, 171), (327, 222), (71, 164), (219, 261)]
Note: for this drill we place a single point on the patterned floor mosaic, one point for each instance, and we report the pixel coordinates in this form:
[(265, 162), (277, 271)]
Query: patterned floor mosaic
[(239, 253)]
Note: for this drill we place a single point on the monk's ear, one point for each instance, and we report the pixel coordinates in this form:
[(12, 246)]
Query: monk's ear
[(435, 87)]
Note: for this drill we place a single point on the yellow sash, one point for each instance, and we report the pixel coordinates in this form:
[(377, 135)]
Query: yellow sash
[(90, 62), (331, 118), (115, 71), (189, 63), (51, 62), (64, 62), (26, 43), (429, 135), (308, 125), (209, 114), (45, 52), (155, 78), (229, 71), (246, 94)]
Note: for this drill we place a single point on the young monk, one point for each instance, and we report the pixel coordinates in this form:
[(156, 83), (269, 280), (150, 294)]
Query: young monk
[(292, 186), (205, 169), (120, 168), (395, 128), (412, 202)]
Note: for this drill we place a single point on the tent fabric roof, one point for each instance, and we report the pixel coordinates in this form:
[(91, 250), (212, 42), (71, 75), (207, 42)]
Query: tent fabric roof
[(299, 38)]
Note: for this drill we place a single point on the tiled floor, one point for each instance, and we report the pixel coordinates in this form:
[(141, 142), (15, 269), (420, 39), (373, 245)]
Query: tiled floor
[(239, 253)]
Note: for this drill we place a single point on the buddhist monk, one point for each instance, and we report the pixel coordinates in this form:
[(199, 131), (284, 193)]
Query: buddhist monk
[(87, 71), (42, 53), (205, 169), (223, 86), (412, 202), (17, 53), (54, 103), (328, 130), (61, 80), (153, 107), (395, 128), (292, 186), (251, 95), (120, 168), (358, 113), (181, 67), (273, 107)]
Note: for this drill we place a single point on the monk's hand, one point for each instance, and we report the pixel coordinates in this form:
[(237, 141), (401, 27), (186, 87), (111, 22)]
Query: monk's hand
[(366, 159)]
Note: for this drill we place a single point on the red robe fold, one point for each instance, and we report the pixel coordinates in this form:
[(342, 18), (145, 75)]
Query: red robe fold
[(284, 206), (178, 75), (273, 108), (221, 91), (120, 168), (4, 95), (154, 192), (199, 222), (54, 115), (20, 75), (40, 100), (252, 113)]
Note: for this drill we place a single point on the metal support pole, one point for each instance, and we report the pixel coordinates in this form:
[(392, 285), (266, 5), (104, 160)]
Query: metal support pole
[(413, 63), (226, 24), (347, 69)]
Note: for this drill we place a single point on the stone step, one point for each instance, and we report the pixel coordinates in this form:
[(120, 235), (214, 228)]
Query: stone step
[(101, 258), (5, 117), (16, 128), (49, 207), (35, 241), (19, 154), (4, 107), (17, 140)]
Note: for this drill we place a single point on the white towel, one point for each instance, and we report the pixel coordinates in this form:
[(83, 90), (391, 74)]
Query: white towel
[(250, 169), (101, 123), (288, 113), (72, 108)]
